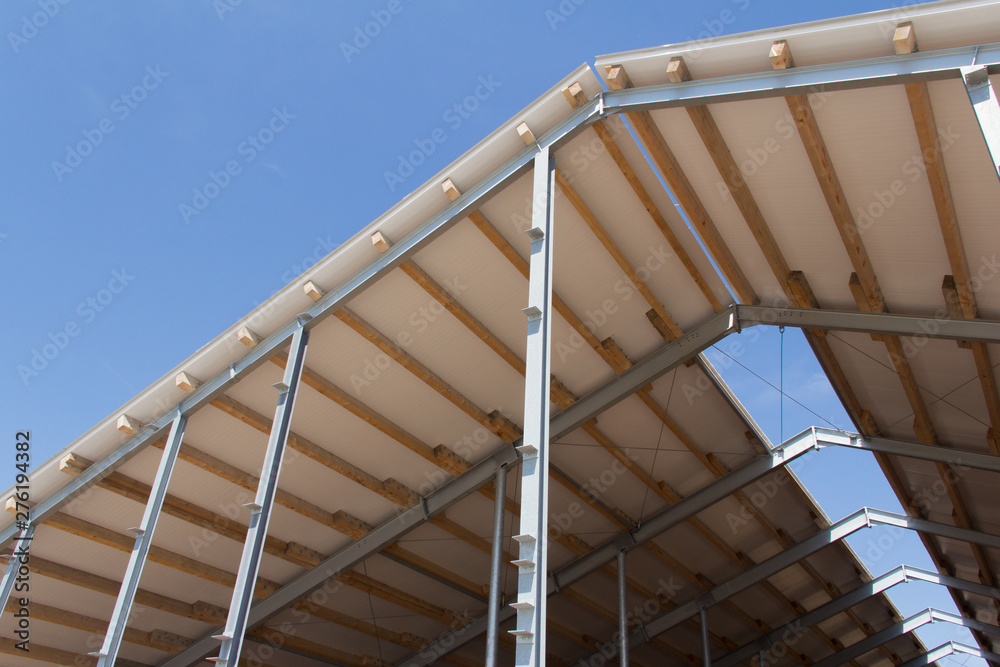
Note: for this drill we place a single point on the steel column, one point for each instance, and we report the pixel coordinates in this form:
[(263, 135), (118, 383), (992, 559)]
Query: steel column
[(143, 539), (851, 75), (496, 556), (706, 647), (622, 611), (533, 539), (984, 103), (260, 510)]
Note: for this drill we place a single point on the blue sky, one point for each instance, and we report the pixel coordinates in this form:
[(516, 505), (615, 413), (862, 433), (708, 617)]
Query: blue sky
[(168, 166)]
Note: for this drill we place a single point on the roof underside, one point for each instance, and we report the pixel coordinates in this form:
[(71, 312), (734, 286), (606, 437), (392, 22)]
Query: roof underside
[(421, 375)]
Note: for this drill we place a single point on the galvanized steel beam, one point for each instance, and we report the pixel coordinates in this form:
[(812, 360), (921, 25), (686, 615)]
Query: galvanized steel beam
[(108, 653), (984, 102), (982, 331), (260, 509)]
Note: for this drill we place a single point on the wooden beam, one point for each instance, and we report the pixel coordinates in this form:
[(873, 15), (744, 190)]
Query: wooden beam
[(519, 263), (669, 168), (248, 336), (58, 656), (495, 422), (829, 183), (128, 425), (312, 290), (213, 522), (160, 640), (208, 613), (607, 137)]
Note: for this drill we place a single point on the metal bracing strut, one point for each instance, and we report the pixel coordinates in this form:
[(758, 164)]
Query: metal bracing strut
[(260, 509), (143, 539), (533, 538)]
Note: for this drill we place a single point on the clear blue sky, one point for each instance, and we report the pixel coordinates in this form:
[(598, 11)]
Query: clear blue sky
[(115, 120)]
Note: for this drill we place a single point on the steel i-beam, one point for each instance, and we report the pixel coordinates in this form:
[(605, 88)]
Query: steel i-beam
[(260, 509), (533, 548), (984, 103), (622, 611), (143, 539), (496, 564)]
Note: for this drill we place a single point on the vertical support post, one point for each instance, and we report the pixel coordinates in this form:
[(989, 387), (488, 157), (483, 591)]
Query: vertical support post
[(987, 108), (18, 558), (760, 658), (533, 548), (706, 649), (622, 611), (493, 623), (260, 509), (143, 539)]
